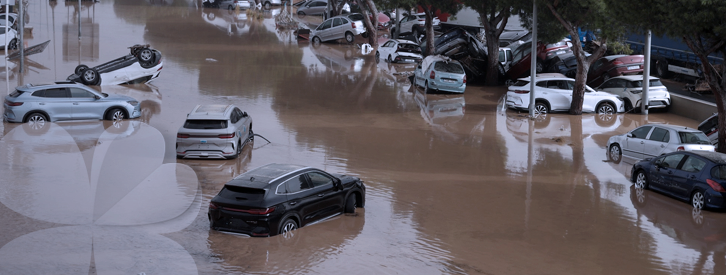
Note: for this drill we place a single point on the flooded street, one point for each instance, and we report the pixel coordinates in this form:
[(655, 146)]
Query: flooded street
[(455, 184)]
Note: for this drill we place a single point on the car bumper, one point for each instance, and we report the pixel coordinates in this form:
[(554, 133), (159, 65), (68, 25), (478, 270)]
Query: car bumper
[(204, 150), (715, 199), (10, 116), (255, 226), (447, 88)]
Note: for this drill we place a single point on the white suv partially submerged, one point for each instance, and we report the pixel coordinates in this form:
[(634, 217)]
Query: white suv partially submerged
[(214, 131)]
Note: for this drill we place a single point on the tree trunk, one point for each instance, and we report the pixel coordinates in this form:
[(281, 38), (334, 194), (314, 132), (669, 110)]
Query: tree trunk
[(490, 21), (429, 27), (371, 25)]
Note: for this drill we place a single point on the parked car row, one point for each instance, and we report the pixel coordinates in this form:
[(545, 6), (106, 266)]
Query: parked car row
[(553, 93)]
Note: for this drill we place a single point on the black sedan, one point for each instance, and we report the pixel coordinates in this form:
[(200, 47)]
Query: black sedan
[(278, 198), (695, 176)]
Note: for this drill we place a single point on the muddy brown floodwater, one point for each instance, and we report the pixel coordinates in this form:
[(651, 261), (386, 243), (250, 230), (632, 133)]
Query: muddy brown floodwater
[(456, 184)]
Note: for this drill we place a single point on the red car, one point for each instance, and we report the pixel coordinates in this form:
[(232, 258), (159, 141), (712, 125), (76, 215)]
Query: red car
[(521, 57), (614, 65)]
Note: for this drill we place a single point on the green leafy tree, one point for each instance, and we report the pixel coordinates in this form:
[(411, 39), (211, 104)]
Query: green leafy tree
[(700, 24), (571, 16)]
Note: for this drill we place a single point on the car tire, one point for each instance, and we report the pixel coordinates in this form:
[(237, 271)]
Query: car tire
[(698, 201), (316, 41), (230, 7), (350, 204), (287, 227), (80, 69), (90, 77), (36, 121), (628, 106), (605, 108), (146, 55), (641, 180), (364, 35), (378, 56), (301, 13), (426, 87), (252, 134), (661, 68), (615, 153), (115, 114), (349, 37), (390, 60), (13, 45), (541, 108), (539, 67), (267, 5)]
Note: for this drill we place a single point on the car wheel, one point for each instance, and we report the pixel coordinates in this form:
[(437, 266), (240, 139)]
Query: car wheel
[(13, 45), (301, 13), (267, 5), (316, 41), (36, 119), (349, 37), (661, 68), (697, 199), (538, 68), (628, 105), (605, 108), (237, 151), (615, 153), (230, 7), (426, 87), (350, 204), (146, 55), (540, 108), (641, 181), (90, 77), (287, 228), (364, 35), (393, 33), (80, 69), (378, 56), (390, 60), (115, 114)]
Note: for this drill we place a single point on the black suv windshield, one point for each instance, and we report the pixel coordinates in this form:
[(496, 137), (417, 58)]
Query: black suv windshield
[(205, 124)]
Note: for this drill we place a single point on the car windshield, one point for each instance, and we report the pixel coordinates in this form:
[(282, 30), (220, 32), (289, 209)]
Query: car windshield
[(639, 83), (448, 67), (521, 83), (205, 124), (356, 17), (242, 193), (693, 138)]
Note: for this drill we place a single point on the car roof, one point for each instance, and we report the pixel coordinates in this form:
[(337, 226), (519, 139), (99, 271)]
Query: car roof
[(261, 177), (673, 127), (635, 77), (34, 87), (547, 76), (404, 41), (210, 111)]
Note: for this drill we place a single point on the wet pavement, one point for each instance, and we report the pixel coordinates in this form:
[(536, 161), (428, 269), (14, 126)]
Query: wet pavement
[(456, 184)]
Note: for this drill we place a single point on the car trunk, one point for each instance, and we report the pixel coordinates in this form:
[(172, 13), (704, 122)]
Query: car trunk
[(240, 198), (206, 134)]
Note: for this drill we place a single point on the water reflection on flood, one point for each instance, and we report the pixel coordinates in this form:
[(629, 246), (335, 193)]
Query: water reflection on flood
[(456, 184)]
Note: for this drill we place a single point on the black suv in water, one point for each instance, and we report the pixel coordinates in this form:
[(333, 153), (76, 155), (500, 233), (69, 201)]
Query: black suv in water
[(278, 198)]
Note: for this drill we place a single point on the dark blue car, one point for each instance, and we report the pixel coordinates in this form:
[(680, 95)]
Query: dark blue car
[(695, 176)]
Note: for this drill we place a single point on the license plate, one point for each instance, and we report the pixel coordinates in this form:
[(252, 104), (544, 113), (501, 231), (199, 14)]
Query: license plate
[(449, 81), (202, 141), (633, 67), (560, 52)]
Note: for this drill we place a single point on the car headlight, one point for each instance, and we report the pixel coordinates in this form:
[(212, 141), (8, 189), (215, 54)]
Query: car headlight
[(133, 102)]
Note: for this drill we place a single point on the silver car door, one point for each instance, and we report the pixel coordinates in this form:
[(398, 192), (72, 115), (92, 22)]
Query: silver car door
[(656, 143), (337, 30), (57, 103), (635, 142), (85, 105)]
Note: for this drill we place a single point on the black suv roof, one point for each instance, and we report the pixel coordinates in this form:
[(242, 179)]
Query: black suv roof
[(261, 177)]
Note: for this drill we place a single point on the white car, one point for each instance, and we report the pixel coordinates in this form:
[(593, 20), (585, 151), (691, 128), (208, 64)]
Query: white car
[(630, 87), (214, 131), (10, 37), (399, 51), (142, 65), (553, 94), (414, 24)]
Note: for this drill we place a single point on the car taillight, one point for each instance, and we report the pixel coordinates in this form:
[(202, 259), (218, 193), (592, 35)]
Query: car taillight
[(352, 24), (13, 103), (521, 91), (182, 135), (212, 205), (681, 148), (618, 62), (432, 75), (715, 185), (255, 211), (226, 135), (464, 78)]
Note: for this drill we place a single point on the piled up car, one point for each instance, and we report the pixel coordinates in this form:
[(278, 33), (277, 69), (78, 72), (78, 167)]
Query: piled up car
[(461, 45)]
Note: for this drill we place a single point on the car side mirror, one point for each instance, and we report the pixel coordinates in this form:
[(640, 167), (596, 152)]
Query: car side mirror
[(337, 183), (630, 135), (96, 97), (244, 114)]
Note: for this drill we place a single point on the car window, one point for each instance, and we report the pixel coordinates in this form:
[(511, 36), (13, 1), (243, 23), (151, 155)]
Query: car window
[(672, 161), (297, 184), (53, 92), (242, 193), (80, 93), (566, 84), (660, 134), (448, 67), (318, 179), (709, 126), (337, 22), (205, 124), (388, 44), (521, 51), (639, 83), (523, 83), (542, 84), (343, 20), (325, 25), (693, 164), (356, 17), (641, 132), (693, 138), (233, 117), (719, 172)]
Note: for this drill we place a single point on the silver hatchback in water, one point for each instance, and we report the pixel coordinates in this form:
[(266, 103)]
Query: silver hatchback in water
[(214, 131), (652, 140), (66, 101)]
